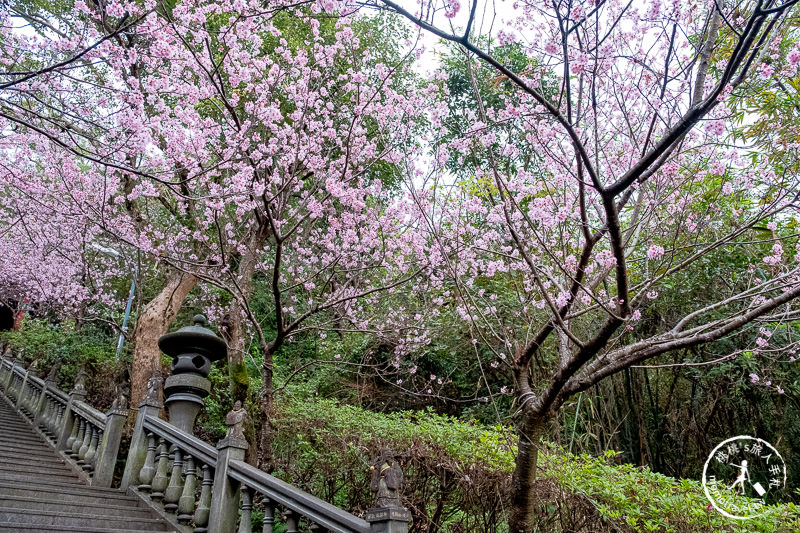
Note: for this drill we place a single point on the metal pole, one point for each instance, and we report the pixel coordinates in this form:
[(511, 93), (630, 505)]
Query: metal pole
[(127, 314)]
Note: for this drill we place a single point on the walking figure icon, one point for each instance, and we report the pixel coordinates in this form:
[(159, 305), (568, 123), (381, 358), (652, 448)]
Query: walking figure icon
[(743, 476)]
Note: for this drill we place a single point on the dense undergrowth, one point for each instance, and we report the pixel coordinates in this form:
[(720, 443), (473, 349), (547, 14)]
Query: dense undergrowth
[(457, 476), (39, 345), (457, 473)]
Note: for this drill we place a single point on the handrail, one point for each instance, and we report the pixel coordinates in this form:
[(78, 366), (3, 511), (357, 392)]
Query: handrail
[(190, 444), (60, 395), (89, 413), (319, 511), (87, 438), (171, 470)]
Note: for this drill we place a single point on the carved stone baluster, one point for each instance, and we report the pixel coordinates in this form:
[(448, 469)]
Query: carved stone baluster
[(55, 424), (62, 409), (269, 515), (161, 479), (149, 469), (76, 446), (52, 416), (204, 504), (186, 502), (91, 453), (33, 401), (55, 421), (49, 421), (87, 438), (175, 487), (74, 435), (291, 521), (245, 522), (47, 411), (316, 528)]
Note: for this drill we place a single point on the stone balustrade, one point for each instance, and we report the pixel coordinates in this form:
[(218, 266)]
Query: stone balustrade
[(197, 487), (76, 429)]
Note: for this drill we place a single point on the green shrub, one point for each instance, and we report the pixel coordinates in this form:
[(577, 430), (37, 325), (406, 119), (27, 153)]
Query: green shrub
[(458, 476), (40, 345)]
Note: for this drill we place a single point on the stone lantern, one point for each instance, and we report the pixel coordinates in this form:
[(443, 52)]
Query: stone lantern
[(193, 349)]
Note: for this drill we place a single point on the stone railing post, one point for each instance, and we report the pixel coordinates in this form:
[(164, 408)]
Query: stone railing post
[(10, 376), (77, 394), (106, 458), (225, 492), (388, 520), (21, 392), (137, 452), (8, 373), (388, 515), (41, 407)]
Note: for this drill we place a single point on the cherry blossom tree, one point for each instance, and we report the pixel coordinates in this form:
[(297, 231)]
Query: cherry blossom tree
[(602, 175), (211, 139)]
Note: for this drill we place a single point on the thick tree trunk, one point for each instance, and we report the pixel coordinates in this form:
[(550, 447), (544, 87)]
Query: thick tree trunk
[(267, 410), (237, 368), (523, 495), (237, 341), (153, 322)]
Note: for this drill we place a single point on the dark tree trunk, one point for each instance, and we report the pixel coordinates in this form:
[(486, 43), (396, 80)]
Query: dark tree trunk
[(153, 322), (523, 495), (267, 410), (237, 341)]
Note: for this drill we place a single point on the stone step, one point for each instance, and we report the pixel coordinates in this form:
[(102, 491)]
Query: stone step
[(15, 435), (12, 437), (24, 528), (66, 479), (67, 493), (32, 465), (33, 449), (79, 519), (36, 469), (46, 457), (39, 449), (38, 502)]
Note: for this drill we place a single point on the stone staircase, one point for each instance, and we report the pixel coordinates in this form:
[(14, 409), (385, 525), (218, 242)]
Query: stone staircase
[(39, 491), (58, 456)]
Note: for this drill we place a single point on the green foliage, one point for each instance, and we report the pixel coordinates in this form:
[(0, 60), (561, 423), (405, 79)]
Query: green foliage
[(210, 424), (42, 344), (458, 475), (647, 501)]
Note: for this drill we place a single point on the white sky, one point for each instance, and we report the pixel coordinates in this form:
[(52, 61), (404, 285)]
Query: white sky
[(489, 15)]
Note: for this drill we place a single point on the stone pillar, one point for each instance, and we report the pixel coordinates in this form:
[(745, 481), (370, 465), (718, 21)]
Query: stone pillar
[(225, 491), (184, 395), (106, 458), (77, 394), (21, 391), (388, 520), (388, 515), (7, 372), (9, 377), (193, 349), (49, 384), (137, 452)]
